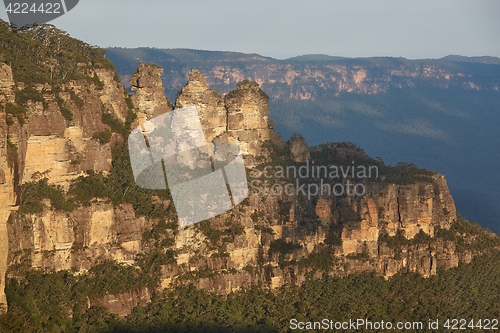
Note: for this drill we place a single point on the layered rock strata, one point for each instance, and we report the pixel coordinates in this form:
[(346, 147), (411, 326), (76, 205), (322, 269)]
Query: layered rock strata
[(247, 246), (242, 117), (149, 97), (7, 197)]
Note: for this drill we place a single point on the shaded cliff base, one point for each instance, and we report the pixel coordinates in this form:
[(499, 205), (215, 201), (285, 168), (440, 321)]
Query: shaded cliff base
[(59, 302)]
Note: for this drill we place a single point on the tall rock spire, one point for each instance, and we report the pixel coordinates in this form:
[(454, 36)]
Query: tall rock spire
[(248, 121), (149, 98), (209, 104)]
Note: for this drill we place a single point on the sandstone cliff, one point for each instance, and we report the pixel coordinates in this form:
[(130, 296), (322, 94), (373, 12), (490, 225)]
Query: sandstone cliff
[(269, 240), (7, 197), (209, 103), (242, 117), (149, 97), (53, 132)]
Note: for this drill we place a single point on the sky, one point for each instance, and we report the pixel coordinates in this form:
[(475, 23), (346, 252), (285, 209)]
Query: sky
[(285, 28)]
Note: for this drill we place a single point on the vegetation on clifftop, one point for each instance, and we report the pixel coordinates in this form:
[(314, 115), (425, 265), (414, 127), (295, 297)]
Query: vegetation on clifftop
[(45, 54)]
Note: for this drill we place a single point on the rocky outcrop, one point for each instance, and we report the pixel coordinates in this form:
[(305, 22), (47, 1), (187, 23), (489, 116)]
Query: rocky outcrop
[(299, 149), (242, 117), (249, 258), (248, 123), (78, 240), (149, 97), (208, 102), (253, 257), (56, 137), (389, 208), (124, 303)]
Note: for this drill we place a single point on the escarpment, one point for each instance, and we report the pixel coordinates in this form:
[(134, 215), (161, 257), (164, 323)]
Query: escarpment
[(7, 161), (55, 133), (69, 200)]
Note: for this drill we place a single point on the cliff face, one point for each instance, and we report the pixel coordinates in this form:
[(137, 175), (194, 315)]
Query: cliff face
[(270, 239), (50, 132), (248, 122), (7, 198), (306, 81), (209, 104), (246, 256), (251, 257)]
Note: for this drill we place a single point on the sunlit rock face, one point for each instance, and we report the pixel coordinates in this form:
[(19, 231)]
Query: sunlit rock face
[(7, 197), (241, 117), (238, 247), (208, 102), (53, 138), (149, 98)]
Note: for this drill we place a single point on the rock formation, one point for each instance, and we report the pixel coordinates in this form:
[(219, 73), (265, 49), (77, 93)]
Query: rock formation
[(248, 122), (299, 149), (247, 246), (242, 117), (149, 97), (208, 102)]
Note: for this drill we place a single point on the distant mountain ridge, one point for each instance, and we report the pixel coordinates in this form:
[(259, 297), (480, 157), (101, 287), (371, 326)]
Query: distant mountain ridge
[(186, 55), (481, 60), (309, 77), (315, 57)]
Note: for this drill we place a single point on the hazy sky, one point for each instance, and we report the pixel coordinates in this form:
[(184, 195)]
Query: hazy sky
[(284, 28)]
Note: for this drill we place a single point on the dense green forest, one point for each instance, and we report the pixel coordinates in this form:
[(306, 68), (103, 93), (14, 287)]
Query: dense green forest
[(56, 302)]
